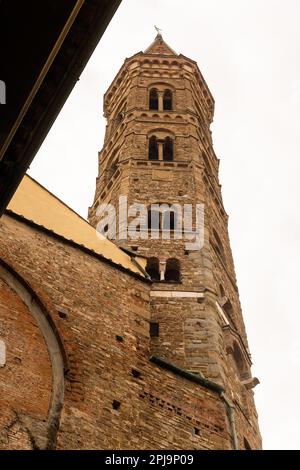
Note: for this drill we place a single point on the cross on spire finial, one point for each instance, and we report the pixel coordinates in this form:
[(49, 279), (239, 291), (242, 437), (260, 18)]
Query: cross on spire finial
[(158, 30)]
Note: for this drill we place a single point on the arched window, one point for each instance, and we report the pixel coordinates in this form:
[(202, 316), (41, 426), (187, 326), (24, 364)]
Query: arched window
[(172, 273), (112, 164), (219, 246), (240, 362), (153, 148), (119, 115), (167, 100), (207, 165), (152, 269), (222, 292), (228, 309), (118, 119), (153, 99), (111, 171), (168, 149), (164, 217), (154, 220)]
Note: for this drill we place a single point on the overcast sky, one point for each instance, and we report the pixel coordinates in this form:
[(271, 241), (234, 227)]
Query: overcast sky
[(249, 54)]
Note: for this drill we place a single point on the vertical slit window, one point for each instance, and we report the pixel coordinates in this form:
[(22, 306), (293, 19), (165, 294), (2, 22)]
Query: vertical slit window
[(154, 329)]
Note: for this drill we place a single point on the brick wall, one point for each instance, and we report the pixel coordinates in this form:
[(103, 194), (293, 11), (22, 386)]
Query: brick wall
[(114, 396)]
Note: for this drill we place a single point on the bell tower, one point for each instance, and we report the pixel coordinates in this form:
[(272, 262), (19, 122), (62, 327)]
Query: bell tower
[(158, 152)]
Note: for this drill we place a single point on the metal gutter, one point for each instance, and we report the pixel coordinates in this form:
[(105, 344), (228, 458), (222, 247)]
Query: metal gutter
[(199, 379)]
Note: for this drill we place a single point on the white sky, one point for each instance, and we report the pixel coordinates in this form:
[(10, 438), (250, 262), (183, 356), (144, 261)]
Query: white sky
[(249, 54)]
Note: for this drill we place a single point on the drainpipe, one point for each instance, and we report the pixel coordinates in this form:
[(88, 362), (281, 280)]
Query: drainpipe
[(230, 409), (205, 383)]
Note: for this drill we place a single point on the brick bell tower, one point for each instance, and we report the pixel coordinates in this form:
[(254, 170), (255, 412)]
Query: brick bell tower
[(158, 150)]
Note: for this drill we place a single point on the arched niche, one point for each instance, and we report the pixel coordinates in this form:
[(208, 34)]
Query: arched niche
[(34, 356)]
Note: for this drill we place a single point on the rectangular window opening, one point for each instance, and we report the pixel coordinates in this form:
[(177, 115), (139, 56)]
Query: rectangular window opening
[(154, 329)]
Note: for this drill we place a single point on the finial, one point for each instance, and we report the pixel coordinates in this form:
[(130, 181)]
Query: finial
[(158, 30)]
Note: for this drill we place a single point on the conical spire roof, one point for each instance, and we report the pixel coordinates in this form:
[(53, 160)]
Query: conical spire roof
[(160, 47)]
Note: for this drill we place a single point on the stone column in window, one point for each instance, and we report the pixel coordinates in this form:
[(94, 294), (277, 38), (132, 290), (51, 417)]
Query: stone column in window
[(160, 150), (160, 101), (162, 270)]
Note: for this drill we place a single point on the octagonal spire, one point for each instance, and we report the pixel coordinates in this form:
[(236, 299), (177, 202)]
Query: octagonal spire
[(159, 46)]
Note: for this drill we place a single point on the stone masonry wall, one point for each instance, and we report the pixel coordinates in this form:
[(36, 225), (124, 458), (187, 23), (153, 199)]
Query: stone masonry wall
[(115, 398)]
